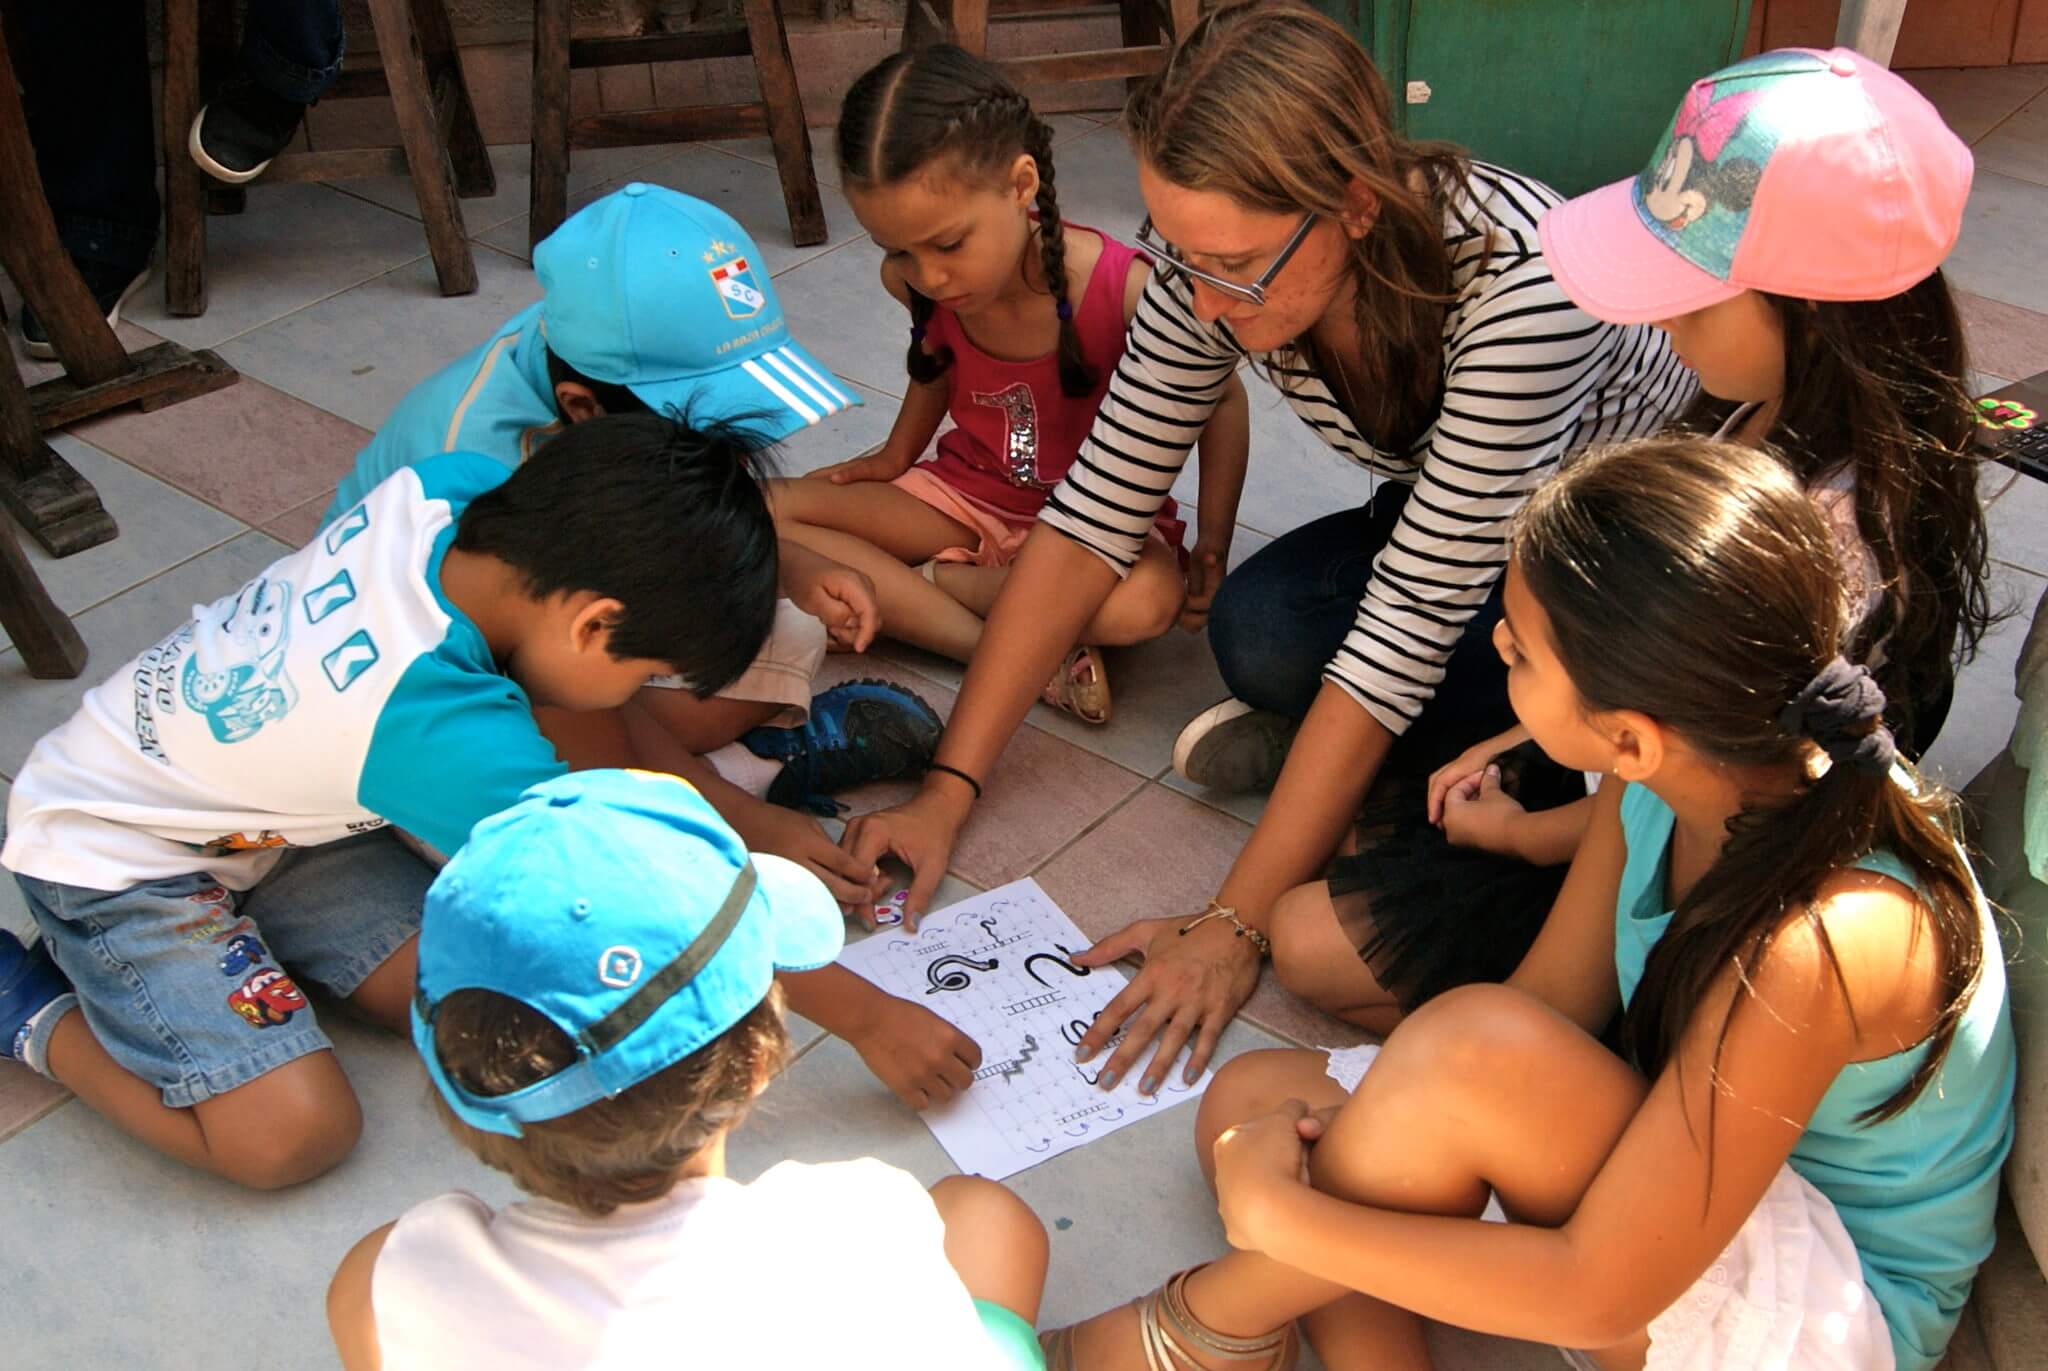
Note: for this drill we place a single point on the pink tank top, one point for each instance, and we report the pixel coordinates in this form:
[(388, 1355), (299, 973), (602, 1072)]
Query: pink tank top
[(1015, 432)]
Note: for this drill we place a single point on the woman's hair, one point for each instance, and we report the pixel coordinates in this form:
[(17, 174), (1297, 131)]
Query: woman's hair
[(912, 111), (1694, 581), (1279, 108), (1879, 385), (621, 1150)]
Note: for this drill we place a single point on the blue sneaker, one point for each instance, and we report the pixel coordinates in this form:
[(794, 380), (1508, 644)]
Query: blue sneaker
[(858, 732), (29, 980)]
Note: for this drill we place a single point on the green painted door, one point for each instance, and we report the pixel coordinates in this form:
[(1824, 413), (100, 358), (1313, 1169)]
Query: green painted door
[(1573, 92)]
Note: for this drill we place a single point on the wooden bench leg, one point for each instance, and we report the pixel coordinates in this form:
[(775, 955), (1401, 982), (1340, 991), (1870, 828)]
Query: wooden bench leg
[(58, 507), (419, 128), (184, 182), (967, 25), (548, 192), (786, 130), (44, 635), (924, 23), (474, 175)]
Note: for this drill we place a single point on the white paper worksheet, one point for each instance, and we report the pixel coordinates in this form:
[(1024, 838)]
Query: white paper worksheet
[(999, 966)]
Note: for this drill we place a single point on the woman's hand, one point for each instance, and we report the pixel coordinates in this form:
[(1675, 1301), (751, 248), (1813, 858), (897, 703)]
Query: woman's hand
[(1255, 1159), (880, 465), (1205, 574), (1190, 985), (920, 832)]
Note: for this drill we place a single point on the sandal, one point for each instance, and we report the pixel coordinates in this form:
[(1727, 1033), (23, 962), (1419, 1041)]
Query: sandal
[(1167, 1330), (1081, 686)]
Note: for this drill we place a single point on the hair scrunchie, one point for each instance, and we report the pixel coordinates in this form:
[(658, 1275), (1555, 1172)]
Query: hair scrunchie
[(1064, 310), (1834, 711), (917, 333)]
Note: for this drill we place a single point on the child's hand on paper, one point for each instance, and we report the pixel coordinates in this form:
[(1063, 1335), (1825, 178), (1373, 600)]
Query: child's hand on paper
[(921, 1058)]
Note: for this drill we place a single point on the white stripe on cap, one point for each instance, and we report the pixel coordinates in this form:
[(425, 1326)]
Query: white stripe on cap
[(779, 391), (825, 380), (778, 359)]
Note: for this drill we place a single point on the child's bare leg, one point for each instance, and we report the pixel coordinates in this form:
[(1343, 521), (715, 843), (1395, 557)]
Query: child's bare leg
[(914, 610), (875, 512), (995, 1242), (1315, 955), (385, 996), (286, 1126), (1140, 607), (704, 725)]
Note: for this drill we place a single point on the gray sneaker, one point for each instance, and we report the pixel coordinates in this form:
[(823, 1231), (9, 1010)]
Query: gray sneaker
[(1233, 747)]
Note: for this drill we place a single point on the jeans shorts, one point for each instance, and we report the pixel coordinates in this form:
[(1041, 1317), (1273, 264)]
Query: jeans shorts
[(188, 984)]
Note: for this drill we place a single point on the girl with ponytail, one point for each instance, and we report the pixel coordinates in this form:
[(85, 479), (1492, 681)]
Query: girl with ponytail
[(1793, 1161), (1017, 321)]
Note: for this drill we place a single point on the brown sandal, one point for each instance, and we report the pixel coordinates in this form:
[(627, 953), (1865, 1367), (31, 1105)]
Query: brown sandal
[(1168, 1329), (1081, 686)]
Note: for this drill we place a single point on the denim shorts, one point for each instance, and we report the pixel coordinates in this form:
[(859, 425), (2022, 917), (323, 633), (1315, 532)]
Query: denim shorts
[(189, 985)]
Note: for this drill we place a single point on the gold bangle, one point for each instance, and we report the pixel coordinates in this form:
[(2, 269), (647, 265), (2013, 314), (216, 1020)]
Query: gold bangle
[(1259, 941)]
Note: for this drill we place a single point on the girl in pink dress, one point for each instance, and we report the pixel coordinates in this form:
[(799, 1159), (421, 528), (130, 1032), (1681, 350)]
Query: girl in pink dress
[(1018, 319)]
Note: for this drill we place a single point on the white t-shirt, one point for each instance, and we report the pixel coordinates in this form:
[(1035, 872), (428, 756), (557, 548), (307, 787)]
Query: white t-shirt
[(339, 690), (810, 1266)]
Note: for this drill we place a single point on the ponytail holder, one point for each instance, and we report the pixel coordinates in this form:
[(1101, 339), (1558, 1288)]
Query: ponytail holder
[(1065, 311), (1836, 710), (917, 333)]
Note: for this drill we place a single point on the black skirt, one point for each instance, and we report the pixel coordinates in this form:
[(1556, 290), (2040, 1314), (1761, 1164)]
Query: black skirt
[(1442, 916)]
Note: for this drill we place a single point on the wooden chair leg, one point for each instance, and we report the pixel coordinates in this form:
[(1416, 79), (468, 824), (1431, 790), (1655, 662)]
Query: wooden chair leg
[(548, 202), (1183, 14), (45, 636), (53, 502), (419, 128), (786, 122), (924, 23), (474, 175), (184, 182), (967, 25), (219, 56), (35, 258)]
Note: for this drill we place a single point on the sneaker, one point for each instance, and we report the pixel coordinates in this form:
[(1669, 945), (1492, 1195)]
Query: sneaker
[(110, 286), (858, 732), (1234, 747), (29, 981), (238, 132)]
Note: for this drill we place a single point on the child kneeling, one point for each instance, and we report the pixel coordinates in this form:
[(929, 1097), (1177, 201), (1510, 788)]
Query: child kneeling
[(596, 1008)]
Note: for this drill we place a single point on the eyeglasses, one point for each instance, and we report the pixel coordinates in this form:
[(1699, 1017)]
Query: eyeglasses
[(1251, 292)]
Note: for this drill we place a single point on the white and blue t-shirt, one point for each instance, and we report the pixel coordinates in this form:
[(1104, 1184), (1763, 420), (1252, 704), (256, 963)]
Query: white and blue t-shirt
[(495, 400), (338, 691)]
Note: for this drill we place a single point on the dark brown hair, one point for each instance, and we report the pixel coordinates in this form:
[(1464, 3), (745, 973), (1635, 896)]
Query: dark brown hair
[(1279, 108), (621, 1150), (913, 109), (1682, 550), (1879, 386)]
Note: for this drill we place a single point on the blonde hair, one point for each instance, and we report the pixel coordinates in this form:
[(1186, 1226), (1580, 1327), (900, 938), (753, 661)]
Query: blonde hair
[(1279, 108)]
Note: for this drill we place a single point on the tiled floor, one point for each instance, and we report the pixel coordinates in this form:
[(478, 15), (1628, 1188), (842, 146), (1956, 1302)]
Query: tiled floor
[(323, 297)]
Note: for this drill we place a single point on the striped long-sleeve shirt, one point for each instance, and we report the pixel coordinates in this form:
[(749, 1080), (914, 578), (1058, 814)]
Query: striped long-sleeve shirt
[(1528, 379)]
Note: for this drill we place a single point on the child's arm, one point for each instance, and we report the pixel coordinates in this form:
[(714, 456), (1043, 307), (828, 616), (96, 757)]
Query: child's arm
[(921, 1058), (1469, 763), (917, 419), (1687, 1171), (349, 1315), (1478, 813), (1570, 967), (835, 595), (1221, 455)]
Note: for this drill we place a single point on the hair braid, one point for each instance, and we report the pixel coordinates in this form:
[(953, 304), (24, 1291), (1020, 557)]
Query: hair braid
[(1077, 378)]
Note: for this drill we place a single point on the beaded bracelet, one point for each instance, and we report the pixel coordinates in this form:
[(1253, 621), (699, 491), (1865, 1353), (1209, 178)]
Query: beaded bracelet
[(1244, 930)]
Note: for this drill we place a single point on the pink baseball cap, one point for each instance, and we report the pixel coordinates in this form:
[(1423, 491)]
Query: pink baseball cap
[(1818, 175)]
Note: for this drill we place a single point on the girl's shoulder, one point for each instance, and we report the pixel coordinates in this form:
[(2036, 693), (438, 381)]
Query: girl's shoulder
[(1864, 941)]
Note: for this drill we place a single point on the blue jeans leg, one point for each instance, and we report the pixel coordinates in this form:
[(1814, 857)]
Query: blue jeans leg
[(1281, 616), (293, 47)]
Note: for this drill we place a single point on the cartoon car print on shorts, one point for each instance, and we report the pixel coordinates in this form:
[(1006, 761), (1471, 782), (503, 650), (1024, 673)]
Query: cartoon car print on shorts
[(267, 999), (242, 953)]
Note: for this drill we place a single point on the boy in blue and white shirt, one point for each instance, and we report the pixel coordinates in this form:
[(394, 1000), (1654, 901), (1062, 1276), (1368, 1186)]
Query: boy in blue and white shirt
[(216, 817), (655, 301)]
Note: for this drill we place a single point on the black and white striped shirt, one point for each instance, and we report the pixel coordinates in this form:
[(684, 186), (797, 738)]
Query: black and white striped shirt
[(1528, 379)]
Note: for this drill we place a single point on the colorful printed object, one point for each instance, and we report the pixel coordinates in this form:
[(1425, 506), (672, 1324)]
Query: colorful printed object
[(1993, 412)]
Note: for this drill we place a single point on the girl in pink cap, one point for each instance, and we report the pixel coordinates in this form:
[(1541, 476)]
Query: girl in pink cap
[(1787, 235)]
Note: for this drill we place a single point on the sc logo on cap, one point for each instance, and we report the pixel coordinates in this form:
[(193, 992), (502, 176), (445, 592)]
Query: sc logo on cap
[(619, 967)]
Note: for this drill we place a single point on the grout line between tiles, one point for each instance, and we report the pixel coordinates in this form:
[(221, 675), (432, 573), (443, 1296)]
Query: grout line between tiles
[(37, 1117), (1099, 821), (818, 256), (301, 309)]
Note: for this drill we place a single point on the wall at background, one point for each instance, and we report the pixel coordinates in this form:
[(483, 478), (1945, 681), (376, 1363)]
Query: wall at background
[(1936, 33)]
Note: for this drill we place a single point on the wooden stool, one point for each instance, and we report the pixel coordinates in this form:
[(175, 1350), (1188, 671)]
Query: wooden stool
[(57, 505), (965, 22), (441, 148), (779, 112)]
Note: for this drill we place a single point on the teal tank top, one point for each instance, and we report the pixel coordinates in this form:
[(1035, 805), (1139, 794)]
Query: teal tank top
[(1916, 1192)]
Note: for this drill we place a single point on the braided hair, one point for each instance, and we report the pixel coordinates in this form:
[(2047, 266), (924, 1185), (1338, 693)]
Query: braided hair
[(912, 108)]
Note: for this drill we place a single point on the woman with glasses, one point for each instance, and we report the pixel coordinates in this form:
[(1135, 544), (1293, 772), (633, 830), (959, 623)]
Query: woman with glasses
[(1396, 293)]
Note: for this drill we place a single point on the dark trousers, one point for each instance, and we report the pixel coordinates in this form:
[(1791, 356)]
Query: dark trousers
[(84, 70), (1280, 617)]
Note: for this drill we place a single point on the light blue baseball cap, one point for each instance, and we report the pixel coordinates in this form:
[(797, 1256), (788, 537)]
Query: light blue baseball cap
[(620, 905), (666, 295)]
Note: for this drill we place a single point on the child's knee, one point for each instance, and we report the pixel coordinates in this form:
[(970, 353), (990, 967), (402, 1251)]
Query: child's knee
[(287, 1127), (1251, 1084), (1142, 608), (291, 1153), (987, 1210), (1301, 930)]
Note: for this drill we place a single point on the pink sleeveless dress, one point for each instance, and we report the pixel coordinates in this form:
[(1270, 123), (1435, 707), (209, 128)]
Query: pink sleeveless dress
[(1014, 431)]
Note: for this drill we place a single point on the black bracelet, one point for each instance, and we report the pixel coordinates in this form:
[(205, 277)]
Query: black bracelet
[(956, 771)]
